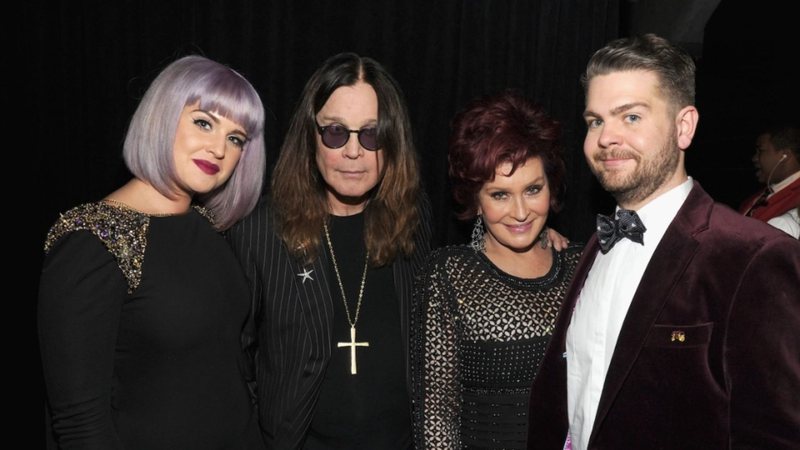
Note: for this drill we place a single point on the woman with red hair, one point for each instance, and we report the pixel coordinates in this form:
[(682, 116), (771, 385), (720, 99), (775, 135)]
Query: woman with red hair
[(485, 310)]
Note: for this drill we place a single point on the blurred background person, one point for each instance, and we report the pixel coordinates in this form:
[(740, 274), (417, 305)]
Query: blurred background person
[(777, 163)]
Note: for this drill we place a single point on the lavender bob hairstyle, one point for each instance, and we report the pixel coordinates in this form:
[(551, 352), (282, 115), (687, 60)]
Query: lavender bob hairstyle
[(148, 148)]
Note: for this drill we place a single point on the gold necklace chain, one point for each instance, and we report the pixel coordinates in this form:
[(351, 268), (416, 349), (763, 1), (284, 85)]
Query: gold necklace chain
[(339, 279)]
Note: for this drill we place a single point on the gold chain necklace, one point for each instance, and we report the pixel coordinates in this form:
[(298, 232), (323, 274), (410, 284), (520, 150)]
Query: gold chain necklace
[(352, 344)]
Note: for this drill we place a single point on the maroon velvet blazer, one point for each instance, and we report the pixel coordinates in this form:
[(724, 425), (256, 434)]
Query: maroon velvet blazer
[(730, 285)]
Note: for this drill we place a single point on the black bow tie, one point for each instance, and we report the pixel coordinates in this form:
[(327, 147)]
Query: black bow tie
[(626, 225)]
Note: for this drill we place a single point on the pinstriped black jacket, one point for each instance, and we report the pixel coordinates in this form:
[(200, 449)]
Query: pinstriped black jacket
[(294, 321)]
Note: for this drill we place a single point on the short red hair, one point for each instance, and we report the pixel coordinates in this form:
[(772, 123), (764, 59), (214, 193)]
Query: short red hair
[(493, 130)]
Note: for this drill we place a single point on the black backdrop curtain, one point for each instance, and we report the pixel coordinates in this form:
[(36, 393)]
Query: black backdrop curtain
[(85, 64), (94, 63), (91, 62)]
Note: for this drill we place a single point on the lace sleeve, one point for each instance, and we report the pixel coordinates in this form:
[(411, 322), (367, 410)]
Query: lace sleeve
[(435, 360)]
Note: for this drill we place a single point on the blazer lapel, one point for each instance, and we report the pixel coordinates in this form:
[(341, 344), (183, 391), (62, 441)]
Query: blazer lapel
[(669, 261), (316, 302), (548, 419)]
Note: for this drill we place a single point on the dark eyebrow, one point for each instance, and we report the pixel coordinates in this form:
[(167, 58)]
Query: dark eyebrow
[(216, 120), (618, 110), (539, 179), (340, 120), (213, 117), (622, 108)]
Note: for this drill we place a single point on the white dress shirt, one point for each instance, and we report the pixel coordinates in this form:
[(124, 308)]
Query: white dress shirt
[(601, 309), (788, 222)]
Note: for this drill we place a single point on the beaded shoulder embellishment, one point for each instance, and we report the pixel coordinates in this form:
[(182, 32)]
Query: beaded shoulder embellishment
[(123, 232), (205, 213)]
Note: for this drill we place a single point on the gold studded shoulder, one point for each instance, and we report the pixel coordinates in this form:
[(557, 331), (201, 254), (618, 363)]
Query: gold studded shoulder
[(205, 212), (123, 231)]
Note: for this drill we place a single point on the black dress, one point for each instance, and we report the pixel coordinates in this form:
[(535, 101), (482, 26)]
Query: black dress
[(480, 335), (140, 325)]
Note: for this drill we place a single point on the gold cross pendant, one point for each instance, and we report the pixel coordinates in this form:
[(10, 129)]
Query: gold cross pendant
[(352, 344)]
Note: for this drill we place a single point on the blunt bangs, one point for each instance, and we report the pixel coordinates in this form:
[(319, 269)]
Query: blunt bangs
[(232, 98), (149, 143)]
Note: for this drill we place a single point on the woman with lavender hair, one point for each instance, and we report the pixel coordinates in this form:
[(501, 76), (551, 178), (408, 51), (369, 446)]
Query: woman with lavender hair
[(142, 303)]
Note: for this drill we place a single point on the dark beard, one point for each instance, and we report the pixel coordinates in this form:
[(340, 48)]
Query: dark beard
[(647, 178)]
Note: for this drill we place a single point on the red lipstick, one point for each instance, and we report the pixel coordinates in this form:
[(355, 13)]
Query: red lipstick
[(207, 167)]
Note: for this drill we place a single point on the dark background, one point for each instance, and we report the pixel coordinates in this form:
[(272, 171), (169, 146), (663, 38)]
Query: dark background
[(89, 63)]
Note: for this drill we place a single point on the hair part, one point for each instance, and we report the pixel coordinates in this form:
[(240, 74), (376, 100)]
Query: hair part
[(497, 129), (674, 67), (149, 143), (298, 193)]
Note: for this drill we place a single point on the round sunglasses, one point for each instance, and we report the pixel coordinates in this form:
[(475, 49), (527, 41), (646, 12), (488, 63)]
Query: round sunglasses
[(336, 136)]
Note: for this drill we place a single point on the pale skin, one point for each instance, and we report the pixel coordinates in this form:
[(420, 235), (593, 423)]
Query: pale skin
[(350, 172), (636, 139), (514, 207), (556, 240), (206, 150)]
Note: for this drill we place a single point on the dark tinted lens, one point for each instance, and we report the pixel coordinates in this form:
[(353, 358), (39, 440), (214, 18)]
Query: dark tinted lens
[(368, 137), (335, 136)]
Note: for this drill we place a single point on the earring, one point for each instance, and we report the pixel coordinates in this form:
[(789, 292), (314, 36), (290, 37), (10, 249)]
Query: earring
[(544, 242), (477, 242)]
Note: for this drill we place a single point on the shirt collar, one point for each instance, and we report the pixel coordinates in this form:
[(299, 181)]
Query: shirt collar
[(658, 213), (785, 182)]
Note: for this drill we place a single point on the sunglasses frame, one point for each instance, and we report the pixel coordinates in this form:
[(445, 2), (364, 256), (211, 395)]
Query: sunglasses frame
[(322, 129)]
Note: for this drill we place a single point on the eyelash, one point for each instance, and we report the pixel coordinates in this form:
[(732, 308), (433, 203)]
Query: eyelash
[(532, 190), (206, 125), (239, 142), (594, 123), (202, 123)]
